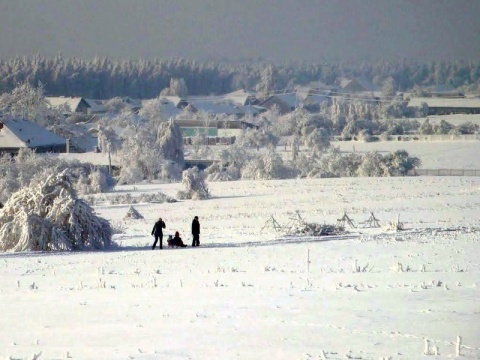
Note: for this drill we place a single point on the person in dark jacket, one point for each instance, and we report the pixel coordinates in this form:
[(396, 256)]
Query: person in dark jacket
[(196, 231), (177, 240), (158, 233)]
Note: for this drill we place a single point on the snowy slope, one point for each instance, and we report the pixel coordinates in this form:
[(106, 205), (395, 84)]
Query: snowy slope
[(252, 294)]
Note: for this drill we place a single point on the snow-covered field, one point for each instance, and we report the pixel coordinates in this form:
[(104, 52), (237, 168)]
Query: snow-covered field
[(451, 154), (252, 294)]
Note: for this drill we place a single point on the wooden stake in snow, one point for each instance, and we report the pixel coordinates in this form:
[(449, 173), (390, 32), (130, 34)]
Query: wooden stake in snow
[(458, 345), (371, 222), (345, 220), (308, 260)]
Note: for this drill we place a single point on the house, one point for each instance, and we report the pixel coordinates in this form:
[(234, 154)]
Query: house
[(214, 106), (311, 99), (241, 98), (96, 107), (285, 103), (445, 106), (217, 130), (16, 134), (70, 105), (350, 85), (178, 102), (442, 90), (169, 107)]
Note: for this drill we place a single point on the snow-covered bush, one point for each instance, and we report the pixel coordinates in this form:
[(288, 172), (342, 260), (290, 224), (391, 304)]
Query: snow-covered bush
[(195, 185), (129, 199), (268, 165), (218, 172), (49, 216), (19, 172)]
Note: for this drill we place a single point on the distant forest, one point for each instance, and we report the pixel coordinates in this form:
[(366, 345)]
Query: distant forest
[(102, 78)]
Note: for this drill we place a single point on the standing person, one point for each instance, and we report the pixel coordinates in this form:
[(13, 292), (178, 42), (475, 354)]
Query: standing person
[(158, 233), (196, 231)]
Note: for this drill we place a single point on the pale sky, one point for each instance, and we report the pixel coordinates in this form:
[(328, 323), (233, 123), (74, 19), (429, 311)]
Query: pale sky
[(276, 30)]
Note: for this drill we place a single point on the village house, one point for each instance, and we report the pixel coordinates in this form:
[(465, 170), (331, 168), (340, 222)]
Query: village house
[(70, 105), (445, 106), (16, 134), (216, 131), (284, 103)]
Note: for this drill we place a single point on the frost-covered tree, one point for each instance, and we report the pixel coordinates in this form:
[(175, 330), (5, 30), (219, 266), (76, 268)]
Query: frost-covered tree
[(317, 139), (195, 186), (48, 216), (443, 127), (219, 172), (267, 165), (389, 88), (115, 105), (153, 110), (468, 128), (399, 163), (426, 128), (373, 165), (178, 87), (170, 139), (108, 142), (140, 156), (29, 102), (256, 138)]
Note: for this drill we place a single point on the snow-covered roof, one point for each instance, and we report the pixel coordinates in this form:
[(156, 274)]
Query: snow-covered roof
[(176, 100), (240, 97), (440, 88), (96, 106), (216, 107), (87, 157), (72, 102), (169, 109), (25, 134), (440, 102), (288, 98)]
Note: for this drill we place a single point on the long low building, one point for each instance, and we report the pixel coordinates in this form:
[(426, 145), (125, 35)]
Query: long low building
[(16, 134), (445, 106)]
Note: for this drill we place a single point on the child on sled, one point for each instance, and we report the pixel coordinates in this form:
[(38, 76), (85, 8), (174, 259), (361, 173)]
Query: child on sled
[(175, 241)]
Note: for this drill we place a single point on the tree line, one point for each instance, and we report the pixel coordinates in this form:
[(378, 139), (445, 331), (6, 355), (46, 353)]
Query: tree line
[(103, 78)]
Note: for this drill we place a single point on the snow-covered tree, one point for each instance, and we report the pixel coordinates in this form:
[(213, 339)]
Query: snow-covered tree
[(153, 111), (426, 128), (267, 165), (178, 87), (372, 165), (49, 216), (170, 139), (29, 102), (115, 105), (195, 186), (140, 156), (109, 142), (317, 139), (399, 163)]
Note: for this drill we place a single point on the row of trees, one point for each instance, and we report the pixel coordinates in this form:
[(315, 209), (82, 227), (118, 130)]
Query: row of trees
[(237, 163), (102, 78)]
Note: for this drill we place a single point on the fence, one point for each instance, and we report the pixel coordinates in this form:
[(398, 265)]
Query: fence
[(445, 172)]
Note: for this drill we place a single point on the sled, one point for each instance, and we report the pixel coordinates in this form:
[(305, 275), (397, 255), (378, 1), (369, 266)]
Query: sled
[(170, 245)]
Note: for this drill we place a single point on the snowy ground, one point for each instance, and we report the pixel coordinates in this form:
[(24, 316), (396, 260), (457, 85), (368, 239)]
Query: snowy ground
[(433, 154), (248, 294)]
